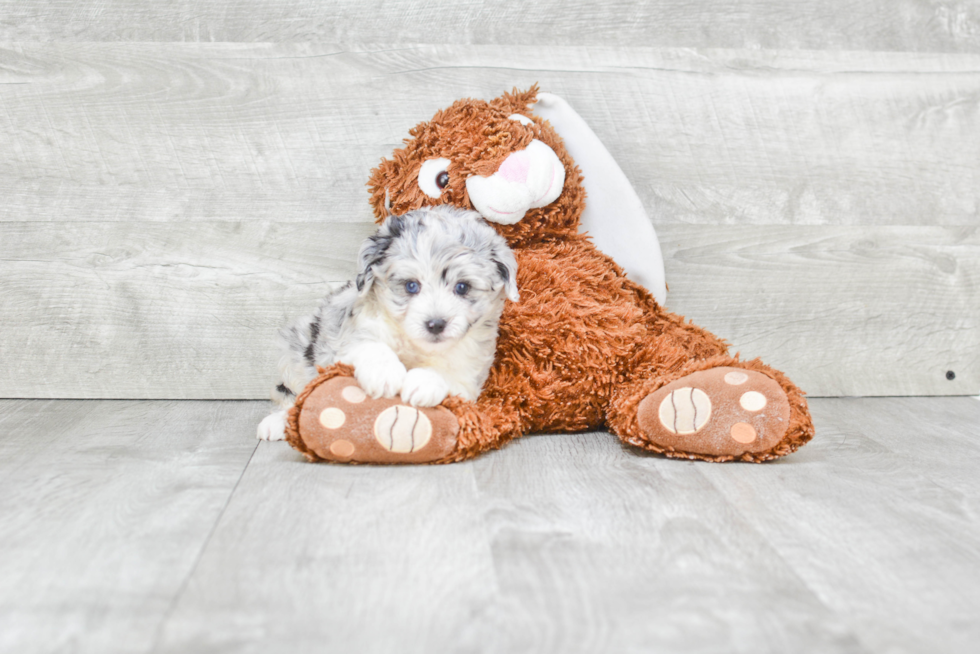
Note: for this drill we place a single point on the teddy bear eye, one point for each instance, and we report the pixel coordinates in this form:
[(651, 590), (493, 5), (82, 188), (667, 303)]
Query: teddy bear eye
[(523, 120), (434, 176)]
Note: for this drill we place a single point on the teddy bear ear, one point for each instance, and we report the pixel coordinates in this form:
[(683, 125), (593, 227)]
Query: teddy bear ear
[(516, 101), (614, 217)]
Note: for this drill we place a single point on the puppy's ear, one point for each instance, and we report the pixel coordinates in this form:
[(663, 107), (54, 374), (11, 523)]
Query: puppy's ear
[(373, 253), (506, 265), (368, 258)]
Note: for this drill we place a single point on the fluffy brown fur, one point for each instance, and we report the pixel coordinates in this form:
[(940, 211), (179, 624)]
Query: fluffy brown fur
[(585, 345)]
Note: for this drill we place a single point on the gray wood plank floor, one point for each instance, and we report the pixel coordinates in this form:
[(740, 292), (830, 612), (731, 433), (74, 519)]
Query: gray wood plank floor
[(104, 509), (138, 526)]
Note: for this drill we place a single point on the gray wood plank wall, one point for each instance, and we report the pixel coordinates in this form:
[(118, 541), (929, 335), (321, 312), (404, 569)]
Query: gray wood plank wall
[(167, 205), (889, 25)]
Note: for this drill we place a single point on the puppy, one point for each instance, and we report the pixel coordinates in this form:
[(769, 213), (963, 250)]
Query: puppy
[(420, 319)]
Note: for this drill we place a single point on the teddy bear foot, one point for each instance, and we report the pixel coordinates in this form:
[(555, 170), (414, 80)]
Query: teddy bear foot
[(339, 422), (718, 414)]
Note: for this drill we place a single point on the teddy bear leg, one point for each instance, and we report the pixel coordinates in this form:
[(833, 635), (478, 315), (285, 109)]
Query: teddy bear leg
[(334, 420), (718, 409)]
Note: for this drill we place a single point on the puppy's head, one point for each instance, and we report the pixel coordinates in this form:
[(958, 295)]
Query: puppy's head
[(437, 273)]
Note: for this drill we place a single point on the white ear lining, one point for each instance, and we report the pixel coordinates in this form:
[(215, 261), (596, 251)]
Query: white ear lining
[(614, 216)]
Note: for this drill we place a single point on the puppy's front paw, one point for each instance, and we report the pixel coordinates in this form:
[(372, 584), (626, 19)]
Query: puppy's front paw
[(381, 379), (272, 427), (424, 387)]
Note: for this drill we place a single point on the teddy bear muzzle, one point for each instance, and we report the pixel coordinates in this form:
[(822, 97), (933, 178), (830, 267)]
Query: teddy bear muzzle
[(526, 179)]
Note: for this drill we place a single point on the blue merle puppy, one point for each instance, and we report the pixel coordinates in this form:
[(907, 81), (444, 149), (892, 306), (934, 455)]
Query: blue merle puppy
[(420, 319)]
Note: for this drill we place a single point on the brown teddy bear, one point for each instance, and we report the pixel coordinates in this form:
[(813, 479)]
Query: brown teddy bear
[(585, 348)]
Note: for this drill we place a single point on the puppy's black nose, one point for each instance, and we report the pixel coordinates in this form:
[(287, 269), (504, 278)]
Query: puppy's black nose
[(435, 326)]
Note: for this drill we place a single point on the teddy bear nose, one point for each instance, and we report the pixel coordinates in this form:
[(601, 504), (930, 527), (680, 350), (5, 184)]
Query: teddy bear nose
[(515, 167), (435, 326)]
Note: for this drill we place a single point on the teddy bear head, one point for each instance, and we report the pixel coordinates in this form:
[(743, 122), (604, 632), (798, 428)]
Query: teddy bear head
[(492, 157)]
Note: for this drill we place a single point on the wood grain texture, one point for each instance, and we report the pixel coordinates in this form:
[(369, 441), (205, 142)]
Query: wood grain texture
[(574, 543), (124, 132), (605, 549), (168, 206), (339, 559), (565, 544), (105, 508), (842, 310), (896, 586), (190, 310), (159, 310), (834, 24), (130, 527), (953, 457)]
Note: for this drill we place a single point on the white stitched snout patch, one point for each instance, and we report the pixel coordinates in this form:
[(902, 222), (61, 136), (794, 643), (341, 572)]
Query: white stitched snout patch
[(527, 179)]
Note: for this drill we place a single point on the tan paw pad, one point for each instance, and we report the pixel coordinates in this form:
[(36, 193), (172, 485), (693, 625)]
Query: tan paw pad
[(753, 401), (332, 418), (742, 432), (402, 429), (342, 449), (736, 378), (353, 394), (685, 410)]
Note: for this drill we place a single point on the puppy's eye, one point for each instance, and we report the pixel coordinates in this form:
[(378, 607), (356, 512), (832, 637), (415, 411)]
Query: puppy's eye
[(412, 287), (434, 176), (462, 288)]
